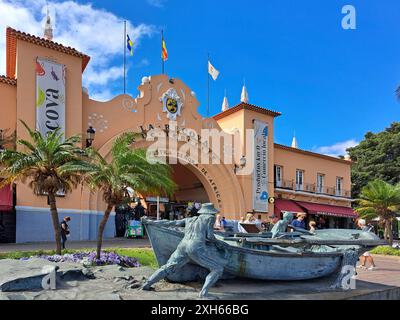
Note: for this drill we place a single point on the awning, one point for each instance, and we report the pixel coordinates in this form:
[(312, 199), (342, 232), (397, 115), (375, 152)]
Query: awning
[(327, 210), (283, 205), (6, 198)]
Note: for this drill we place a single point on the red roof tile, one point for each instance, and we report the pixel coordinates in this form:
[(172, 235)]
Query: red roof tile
[(8, 80), (246, 106), (12, 35), (281, 146)]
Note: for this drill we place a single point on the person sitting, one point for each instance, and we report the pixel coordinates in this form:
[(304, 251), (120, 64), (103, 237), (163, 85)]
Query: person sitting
[(366, 257), (218, 226), (299, 222), (224, 222), (312, 224), (250, 219), (240, 228)]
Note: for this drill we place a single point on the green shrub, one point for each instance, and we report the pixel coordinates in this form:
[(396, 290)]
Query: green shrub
[(386, 250), (145, 256)]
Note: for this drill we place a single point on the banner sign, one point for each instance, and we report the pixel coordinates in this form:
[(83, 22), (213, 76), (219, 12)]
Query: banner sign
[(50, 96), (260, 172)]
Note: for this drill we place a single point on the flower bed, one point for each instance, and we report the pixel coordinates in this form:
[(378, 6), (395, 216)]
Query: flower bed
[(89, 259)]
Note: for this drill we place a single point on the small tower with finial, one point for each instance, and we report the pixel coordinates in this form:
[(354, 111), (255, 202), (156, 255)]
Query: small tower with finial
[(294, 141), (244, 96), (48, 29), (225, 103)]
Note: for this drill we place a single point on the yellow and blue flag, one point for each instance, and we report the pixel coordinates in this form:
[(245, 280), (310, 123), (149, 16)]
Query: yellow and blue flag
[(129, 45)]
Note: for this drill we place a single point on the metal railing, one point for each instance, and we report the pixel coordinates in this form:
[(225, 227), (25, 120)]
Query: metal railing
[(312, 188)]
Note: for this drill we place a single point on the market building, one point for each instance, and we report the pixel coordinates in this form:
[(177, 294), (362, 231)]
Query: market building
[(43, 87)]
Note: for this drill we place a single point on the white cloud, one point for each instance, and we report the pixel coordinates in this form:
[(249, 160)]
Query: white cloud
[(337, 149), (142, 63), (95, 32), (102, 77), (102, 95), (156, 3)]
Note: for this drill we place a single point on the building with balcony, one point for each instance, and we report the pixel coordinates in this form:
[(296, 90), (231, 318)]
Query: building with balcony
[(313, 183)]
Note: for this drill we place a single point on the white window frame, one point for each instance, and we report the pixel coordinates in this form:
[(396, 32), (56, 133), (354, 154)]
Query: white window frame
[(339, 186), (299, 178), (320, 186), (278, 182)]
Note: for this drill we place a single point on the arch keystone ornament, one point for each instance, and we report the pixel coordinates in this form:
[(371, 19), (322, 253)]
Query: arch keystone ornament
[(172, 104)]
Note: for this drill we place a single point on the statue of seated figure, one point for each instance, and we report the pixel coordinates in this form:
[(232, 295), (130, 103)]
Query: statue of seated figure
[(281, 226), (198, 246)]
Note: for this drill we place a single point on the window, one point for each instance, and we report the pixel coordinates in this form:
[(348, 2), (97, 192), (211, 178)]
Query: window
[(339, 185), (299, 179), (320, 182), (278, 176)]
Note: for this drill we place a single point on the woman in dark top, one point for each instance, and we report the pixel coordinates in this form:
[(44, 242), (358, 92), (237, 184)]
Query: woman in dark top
[(299, 222), (64, 230)]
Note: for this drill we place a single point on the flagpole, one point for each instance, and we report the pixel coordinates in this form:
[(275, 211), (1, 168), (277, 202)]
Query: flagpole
[(124, 57), (208, 87), (162, 48)]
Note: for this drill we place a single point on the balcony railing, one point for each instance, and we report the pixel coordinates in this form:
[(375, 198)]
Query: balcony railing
[(312, 188)]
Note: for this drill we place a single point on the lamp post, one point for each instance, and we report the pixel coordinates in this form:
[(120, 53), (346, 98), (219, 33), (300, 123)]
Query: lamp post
[(242, 164), (90, 133)]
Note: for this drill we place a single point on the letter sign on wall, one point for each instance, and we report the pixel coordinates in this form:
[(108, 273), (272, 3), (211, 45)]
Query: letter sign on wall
[(260, 171), (50, 96)]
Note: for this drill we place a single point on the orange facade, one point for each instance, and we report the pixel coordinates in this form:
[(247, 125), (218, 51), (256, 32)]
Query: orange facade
[(219, 183)]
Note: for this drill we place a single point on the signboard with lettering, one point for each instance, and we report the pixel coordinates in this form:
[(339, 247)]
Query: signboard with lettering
[(154, 199), (260, 172), (50, 96)]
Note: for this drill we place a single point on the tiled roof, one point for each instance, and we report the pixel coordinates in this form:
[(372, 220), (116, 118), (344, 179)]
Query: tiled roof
[(12, 35), (246, 106), (312, 153), (8, 80)]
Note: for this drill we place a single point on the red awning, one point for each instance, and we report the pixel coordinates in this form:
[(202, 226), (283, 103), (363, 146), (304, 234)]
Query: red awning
[(286, 205), (6, 198), (327, 210)]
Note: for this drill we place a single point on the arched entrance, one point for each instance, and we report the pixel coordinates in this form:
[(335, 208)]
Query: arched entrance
[(215, 183), (189, 186)]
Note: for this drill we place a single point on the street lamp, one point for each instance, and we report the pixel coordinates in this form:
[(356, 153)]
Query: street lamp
[(90, 133), (242, 164)]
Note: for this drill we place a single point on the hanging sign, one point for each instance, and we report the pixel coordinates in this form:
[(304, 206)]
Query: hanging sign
[(50, 96), (260, 172)]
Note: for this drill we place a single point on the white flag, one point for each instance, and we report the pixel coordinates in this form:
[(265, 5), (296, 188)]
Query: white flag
[(212, 71)]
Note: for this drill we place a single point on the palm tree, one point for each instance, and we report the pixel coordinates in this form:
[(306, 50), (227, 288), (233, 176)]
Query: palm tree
[(41, 164), (128, 168), (380, 200)]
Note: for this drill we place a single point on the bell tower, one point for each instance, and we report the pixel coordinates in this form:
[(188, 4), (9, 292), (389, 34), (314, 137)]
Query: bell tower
[(48, 29)]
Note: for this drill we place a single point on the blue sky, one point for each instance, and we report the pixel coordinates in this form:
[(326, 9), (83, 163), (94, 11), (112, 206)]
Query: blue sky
[(331, 85)]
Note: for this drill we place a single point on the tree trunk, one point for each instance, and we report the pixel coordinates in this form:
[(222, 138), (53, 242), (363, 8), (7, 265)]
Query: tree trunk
[(388, 231), (56, 222), (102, 225)]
